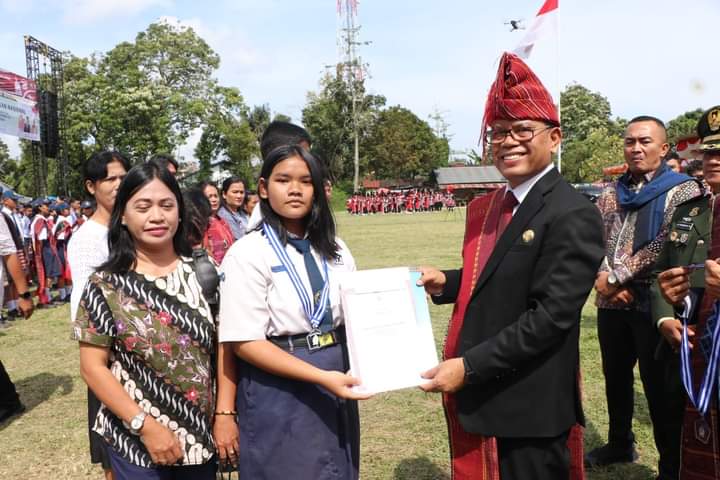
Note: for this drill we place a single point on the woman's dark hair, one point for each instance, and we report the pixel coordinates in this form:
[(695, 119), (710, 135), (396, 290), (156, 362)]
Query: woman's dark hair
[(198, 212), (204, 184), (230, 180), (319, 223), (95, 168), (164, 159), (121, 244)]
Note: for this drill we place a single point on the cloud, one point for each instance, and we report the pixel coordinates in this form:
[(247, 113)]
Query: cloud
[(230, 43), (85, 11)]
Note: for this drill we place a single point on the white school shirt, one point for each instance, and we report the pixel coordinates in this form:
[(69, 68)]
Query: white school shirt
[(7, 247), (58, 222), (24, 223), (257, 298), (87, 250), (43, 233)]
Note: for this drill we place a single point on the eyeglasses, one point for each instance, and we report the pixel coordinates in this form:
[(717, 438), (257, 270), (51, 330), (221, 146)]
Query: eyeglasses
[(520, 133)]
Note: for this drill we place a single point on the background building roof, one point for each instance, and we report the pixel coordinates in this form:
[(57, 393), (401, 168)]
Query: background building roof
[(475, 175)]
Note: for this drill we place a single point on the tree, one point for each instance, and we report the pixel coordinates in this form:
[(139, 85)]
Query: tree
[(475, 157), (281, 117), (18, 174), (591, 138), (145, 96), (583, 161), (6, 163), (683, 125), (228, 135), (401, 145), (328, 118), (583, 111), (258, 119)]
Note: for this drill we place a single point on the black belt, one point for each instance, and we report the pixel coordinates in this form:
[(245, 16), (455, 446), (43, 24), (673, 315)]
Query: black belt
[(310, 341)]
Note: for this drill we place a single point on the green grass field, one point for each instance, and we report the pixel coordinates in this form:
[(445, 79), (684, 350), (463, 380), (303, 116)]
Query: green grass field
[(403, 433)]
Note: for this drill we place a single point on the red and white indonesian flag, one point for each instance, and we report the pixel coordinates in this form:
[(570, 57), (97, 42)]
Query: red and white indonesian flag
[(540, 47), (544, 28)]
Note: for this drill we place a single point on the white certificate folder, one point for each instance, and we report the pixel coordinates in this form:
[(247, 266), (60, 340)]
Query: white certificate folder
[(390, 337)]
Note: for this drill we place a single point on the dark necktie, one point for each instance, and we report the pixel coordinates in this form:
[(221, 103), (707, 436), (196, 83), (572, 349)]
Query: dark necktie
[(316, 279), (506, 212)]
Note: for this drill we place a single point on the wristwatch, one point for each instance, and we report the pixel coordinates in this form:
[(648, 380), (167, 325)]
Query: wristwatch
[(27, 295), (137, 422), (612, 279)]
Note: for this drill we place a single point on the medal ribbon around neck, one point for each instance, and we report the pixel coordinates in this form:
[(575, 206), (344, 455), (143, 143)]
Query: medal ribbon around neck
[(313, 313), (701, 401)]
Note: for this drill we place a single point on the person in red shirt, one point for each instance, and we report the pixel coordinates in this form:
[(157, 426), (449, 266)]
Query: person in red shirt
[(218, 236)]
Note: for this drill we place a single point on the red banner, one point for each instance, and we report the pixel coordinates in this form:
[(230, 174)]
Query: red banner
[(17, 85)]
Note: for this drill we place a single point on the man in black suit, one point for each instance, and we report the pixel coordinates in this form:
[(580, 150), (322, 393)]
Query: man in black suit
[(512, 372)]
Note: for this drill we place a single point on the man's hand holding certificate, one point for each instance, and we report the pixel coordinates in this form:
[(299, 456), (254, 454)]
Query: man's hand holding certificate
[(390, 338)]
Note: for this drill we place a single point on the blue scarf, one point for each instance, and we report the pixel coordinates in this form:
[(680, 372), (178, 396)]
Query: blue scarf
[(649, 202)]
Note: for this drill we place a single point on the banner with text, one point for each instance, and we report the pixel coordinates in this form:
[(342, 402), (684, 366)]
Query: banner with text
[(17, 85), (19, 117)]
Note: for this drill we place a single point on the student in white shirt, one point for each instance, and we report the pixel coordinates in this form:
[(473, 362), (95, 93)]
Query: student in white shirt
[(296, 409), (62, 230)]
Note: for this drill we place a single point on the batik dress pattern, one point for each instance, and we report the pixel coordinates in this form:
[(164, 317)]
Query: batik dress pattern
[(161, 337)]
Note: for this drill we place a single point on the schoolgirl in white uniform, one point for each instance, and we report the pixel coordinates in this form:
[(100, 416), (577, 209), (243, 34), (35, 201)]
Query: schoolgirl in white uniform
[(280, 307)]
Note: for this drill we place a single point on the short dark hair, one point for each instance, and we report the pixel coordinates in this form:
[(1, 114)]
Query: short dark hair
[(672, 155), (694, 166), (95, 168), (279, 134), (164, 159), (121, 245), (319, 223), (198, 212), (648, 118)]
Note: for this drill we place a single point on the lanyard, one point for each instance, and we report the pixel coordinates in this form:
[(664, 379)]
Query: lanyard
[(701, 401), (314, 313)]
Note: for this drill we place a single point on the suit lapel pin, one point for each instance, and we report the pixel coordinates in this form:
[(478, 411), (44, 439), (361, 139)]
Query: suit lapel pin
[(528, 236)]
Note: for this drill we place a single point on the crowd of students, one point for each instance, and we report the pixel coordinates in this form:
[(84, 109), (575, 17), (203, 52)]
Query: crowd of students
[(40, 231), (416, 200)]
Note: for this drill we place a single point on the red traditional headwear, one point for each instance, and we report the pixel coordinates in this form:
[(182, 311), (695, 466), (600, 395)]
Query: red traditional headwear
[(518, 94)]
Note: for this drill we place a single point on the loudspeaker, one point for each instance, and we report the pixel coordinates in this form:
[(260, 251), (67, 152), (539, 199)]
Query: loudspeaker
[(49, 134)]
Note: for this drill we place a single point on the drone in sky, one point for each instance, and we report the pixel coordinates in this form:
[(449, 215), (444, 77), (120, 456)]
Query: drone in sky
[(515, 25)]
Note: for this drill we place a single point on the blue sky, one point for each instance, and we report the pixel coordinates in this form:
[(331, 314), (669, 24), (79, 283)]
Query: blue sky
[(647, 56)]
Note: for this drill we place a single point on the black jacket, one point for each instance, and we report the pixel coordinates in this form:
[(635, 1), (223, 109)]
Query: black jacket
[(521, 329)]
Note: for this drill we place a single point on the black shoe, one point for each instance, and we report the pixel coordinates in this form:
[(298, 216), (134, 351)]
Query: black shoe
[(609, 454), (13, 315), (11, 412)]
